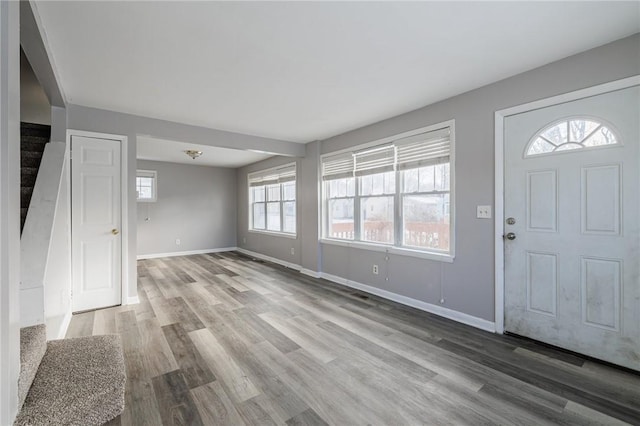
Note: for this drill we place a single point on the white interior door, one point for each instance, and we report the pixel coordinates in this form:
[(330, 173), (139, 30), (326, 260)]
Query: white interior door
[(96, 220), (572, 206)]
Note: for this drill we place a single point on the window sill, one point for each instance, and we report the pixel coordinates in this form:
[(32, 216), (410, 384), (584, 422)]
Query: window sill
[(400, 251), (148, 200), (274, 234)]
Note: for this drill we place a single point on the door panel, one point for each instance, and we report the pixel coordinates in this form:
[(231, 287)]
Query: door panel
[(572, 274), (96, 219)]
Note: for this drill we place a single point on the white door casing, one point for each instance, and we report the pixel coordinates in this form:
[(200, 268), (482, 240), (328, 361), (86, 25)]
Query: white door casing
[(96, 222), (571, 274)]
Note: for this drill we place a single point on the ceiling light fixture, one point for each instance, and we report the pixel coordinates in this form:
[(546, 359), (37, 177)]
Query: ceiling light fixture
[(193, 153)]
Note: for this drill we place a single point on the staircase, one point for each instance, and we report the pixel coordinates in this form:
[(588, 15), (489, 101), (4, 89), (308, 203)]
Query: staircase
[(33, 138)]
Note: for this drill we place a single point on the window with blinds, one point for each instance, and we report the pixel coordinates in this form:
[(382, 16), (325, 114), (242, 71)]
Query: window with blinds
[(398, 193), (272, 200)]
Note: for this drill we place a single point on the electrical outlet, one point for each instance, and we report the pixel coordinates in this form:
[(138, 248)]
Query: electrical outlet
[(483, 212), (244, 240), (177, 241), (375, 269), (293, 251), (442, 300)]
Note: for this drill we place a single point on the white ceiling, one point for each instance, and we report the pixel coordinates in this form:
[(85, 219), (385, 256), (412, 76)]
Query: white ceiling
[(173, 152), (301, 71)]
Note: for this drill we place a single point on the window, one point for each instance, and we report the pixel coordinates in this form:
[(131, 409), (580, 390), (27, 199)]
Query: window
[(567, 135), (398, 194), (272, 200), (146, 185)]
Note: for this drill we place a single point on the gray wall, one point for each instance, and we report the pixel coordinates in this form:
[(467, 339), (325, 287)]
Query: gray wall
[(196, 204), (34, 105), (467, 284)]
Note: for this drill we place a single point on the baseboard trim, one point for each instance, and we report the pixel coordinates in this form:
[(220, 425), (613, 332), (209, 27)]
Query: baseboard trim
[(461, 317), (133, 300), (184, 253), (311, 273), (261, 256), (62, 332)]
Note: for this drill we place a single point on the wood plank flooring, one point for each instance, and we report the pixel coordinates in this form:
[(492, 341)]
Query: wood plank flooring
[(223, 339)]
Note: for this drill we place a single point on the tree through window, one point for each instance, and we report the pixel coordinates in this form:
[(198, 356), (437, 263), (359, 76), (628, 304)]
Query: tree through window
[(576, 133)]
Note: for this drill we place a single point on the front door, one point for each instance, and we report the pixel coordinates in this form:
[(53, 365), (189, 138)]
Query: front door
[(572, 211), (95, 223)]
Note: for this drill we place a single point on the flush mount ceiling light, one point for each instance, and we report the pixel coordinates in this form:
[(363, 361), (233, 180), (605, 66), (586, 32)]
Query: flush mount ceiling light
[(193, 153)]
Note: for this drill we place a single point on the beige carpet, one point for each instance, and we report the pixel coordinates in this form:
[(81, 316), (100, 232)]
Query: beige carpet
[(33, 345), (79, 382)]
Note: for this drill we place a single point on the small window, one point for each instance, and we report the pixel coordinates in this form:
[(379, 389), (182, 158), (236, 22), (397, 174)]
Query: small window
[(567, 135), (146, 185), (272, 200)]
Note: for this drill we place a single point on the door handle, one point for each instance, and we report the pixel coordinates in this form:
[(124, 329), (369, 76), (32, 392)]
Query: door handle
[(114, 231), (510, 236)]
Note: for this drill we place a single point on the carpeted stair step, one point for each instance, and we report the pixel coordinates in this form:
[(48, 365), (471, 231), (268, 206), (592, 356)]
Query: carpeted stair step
[(33, 138), (80, 381), (30, 158), (33, 129), (33, 345)]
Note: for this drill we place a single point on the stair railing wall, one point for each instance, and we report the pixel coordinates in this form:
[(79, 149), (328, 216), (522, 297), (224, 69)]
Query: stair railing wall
[(45, 289)]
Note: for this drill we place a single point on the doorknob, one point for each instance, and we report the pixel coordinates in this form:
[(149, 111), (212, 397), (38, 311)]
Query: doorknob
[(510, 236), (114, 231)]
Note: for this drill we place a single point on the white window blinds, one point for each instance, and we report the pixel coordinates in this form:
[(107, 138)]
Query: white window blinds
[(415, 151), (376, 160), (337, 166), (424, 149), (282, 174)]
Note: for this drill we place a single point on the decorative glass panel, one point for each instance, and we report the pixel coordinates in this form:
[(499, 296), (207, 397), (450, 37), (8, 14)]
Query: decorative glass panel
[(571, 135)]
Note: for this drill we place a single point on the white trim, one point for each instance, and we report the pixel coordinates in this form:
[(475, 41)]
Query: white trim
[(184, 253), (400, 251), (270, 259), (133, 300), (62, 331), (309, 272), (457, 316), (499, 172), (274, 233), (124, 203)]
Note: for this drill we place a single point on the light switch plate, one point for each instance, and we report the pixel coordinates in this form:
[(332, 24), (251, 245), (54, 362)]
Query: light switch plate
[(483, 212)]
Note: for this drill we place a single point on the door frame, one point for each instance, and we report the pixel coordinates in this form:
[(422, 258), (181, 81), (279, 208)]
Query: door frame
[(500, 116), (124, 207)]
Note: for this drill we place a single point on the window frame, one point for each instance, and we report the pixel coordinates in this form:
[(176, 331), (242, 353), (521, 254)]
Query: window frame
[(273, 173), (153, 174), (397, 246)]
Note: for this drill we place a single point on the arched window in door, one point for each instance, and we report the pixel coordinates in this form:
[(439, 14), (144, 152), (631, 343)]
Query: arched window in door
[(571, 134)]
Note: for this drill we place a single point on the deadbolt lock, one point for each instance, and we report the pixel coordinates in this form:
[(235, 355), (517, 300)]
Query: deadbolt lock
[(511, 221)]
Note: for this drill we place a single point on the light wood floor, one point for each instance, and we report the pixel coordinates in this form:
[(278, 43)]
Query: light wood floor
[(226, 340)]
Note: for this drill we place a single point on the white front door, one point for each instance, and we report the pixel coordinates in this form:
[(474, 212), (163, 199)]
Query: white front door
[(572, 207), (95, 221)]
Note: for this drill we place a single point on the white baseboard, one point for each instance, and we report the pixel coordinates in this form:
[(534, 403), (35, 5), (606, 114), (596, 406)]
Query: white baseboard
[(65, 325), (309, 272), (270, 259), (418, 304), (184, 253), (133, 300)]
